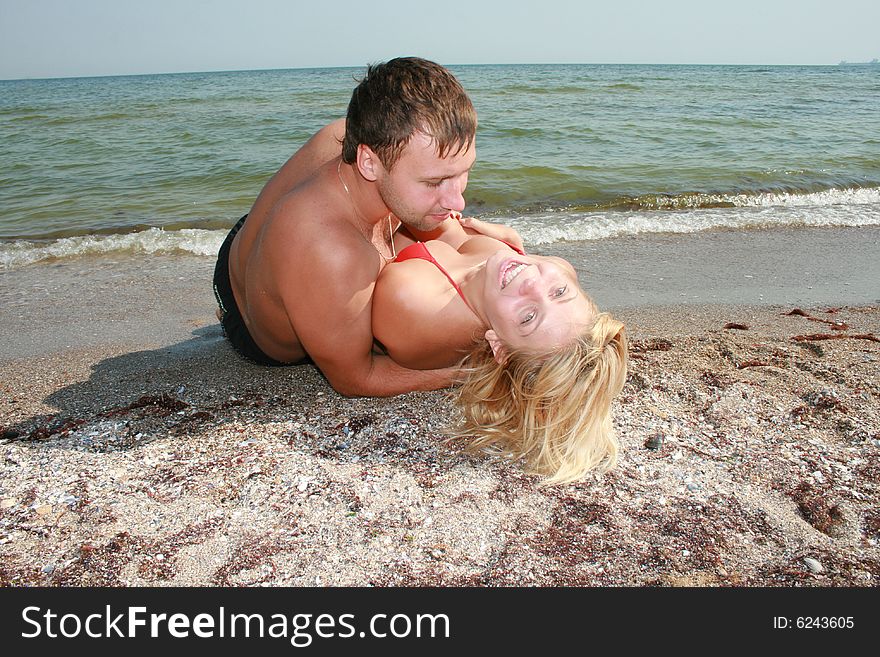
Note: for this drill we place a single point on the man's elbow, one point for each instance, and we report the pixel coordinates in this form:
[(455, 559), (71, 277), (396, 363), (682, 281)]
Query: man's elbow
[(352, 386), (349, 389)]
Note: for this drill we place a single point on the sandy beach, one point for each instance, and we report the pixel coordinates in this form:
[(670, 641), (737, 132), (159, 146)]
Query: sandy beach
[(139, 450)]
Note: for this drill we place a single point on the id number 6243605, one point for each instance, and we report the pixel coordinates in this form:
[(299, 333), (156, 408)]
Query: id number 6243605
[(814, 622)]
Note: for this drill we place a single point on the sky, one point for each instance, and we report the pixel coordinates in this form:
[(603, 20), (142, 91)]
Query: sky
[(64, 38)]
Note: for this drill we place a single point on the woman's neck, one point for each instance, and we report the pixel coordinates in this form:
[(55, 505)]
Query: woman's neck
[(471, 279)]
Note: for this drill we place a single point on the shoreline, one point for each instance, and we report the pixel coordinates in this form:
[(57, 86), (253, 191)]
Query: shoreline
[(151, 300), (149, 454)]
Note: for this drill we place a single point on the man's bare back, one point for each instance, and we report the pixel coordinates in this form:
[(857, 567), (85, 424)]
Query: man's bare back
[(262, 256), (303, 266)]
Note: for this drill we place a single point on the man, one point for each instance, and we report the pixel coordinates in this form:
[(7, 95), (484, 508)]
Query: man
[(295, 277)]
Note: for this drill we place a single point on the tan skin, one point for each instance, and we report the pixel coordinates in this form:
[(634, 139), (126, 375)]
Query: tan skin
[(304, 266), (513, 301)]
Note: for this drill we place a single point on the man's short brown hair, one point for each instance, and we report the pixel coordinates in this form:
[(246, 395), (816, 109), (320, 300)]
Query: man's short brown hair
[(404, 96)]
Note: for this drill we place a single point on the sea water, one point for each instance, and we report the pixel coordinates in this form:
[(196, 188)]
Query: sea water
[(167, 163)]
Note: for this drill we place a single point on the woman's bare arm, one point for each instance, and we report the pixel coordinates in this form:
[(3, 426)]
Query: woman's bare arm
[(474, 226), (456, 230)]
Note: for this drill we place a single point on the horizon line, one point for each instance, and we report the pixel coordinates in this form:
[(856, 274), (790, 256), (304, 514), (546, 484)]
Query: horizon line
[(360, 66)]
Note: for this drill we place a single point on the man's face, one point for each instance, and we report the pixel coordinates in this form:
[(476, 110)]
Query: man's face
[(421, 189)]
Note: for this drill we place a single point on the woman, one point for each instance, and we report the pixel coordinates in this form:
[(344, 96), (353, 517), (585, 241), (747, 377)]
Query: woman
[(541, 363)]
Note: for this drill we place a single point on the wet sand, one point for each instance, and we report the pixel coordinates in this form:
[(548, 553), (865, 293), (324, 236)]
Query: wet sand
[(138, 449)]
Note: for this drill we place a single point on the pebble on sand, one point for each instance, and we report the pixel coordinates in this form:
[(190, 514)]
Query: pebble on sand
[(813, 565)]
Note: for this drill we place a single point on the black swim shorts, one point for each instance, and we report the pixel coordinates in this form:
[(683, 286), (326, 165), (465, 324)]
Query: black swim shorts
[(233, 324)]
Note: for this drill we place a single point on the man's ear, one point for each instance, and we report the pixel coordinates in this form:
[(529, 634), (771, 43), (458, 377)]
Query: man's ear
[(368, 163), (498, 348)]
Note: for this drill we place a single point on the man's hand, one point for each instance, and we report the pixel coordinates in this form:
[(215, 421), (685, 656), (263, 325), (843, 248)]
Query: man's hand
[(496, 231)]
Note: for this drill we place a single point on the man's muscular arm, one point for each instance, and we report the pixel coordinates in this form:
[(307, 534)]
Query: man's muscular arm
[(331, 315)]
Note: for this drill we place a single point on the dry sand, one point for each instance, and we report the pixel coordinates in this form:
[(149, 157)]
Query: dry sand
[(139, 450)]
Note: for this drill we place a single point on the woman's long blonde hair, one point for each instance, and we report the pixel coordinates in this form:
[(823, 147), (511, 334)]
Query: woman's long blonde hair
[(552, 410)]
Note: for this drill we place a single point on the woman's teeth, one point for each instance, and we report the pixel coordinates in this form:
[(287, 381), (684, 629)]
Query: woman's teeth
[(510, 272)]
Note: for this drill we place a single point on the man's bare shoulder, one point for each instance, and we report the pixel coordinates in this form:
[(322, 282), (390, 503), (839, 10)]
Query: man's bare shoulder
[(303, 231), (309, 207)]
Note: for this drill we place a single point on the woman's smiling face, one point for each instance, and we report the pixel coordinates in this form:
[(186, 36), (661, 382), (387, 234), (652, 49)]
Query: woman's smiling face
[(533, 302)]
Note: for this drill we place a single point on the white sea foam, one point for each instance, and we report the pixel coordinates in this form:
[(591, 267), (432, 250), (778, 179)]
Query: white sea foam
[(153, 240), (553, 227), (848, 196), (855, 207)]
